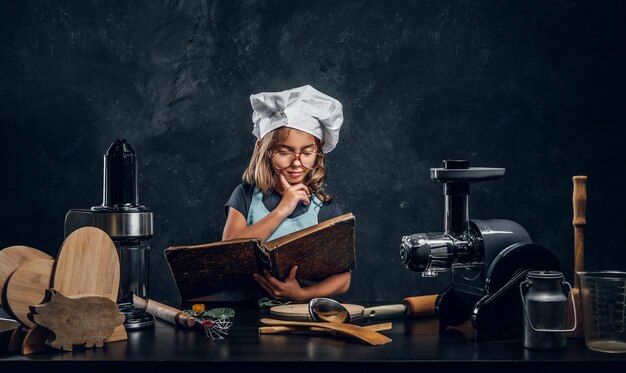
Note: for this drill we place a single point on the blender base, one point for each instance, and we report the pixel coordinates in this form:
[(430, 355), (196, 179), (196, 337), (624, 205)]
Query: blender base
[(136, 318)]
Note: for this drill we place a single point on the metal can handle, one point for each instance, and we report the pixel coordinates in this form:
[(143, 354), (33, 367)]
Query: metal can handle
[(521, 293)]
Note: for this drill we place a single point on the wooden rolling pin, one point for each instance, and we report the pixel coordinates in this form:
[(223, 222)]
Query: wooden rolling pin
[(579, 204), (423, 305), (164, 312)]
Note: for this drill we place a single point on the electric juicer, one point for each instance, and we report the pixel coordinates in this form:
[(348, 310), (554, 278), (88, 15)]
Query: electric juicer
[(488, 259)]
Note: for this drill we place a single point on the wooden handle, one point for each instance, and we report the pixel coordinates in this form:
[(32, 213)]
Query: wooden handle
[(386, 311), (164, 312), (579, 202), (420, 306)]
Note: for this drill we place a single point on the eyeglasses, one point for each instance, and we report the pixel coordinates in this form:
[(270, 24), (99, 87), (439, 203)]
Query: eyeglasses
[(284, 159)]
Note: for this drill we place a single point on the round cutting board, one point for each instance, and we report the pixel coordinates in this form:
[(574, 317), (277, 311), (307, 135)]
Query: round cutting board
[(11, 258), (27, 286), (88, 264), (300, 311)]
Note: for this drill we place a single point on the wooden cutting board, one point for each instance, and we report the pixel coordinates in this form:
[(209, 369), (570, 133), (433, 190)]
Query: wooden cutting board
[(27, 286), (82, 320), (87, 264), (301, 311), (11, 258)]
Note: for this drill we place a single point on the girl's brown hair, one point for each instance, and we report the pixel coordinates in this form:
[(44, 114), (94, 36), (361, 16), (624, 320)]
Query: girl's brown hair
[(261, 173)]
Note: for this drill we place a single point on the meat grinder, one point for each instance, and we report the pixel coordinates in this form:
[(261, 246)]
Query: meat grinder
[(487, 258)]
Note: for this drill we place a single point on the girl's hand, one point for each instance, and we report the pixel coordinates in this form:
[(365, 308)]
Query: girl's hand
[(292, 195), (289, 289)]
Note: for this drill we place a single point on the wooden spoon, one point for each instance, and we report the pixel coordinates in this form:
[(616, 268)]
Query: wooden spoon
[(11, 258), (365, 335), (27, 286)]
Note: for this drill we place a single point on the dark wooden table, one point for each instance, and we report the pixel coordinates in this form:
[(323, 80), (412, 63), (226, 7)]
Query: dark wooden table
[(416, 342)]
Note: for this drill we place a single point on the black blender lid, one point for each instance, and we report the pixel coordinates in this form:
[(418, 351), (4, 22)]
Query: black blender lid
[(120, 146)]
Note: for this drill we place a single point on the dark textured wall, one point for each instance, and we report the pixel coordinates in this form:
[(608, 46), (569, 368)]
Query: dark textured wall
[(533, 86)]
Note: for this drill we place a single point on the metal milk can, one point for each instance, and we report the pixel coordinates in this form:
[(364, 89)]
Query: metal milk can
[(544, 299)]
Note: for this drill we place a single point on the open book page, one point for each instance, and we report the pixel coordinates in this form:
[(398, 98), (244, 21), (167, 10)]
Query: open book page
[(320, 251), (307, 231), (224, 266)]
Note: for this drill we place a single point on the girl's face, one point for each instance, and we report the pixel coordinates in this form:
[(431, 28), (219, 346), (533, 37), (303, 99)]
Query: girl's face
[(293, 140)]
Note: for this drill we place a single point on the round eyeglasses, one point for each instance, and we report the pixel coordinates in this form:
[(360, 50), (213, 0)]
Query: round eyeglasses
[(284, 159)]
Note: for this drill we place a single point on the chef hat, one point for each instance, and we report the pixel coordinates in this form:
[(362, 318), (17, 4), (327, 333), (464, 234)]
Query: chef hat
[(304, 108)]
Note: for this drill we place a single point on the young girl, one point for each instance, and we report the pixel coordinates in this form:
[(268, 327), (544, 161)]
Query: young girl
[(283, 184)]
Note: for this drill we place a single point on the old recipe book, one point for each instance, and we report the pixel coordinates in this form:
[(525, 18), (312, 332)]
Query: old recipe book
[(320, 251)]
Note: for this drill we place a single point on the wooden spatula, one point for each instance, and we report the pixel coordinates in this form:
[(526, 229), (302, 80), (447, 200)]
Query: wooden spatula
[(26, 286), (11, 258), (365, 335)]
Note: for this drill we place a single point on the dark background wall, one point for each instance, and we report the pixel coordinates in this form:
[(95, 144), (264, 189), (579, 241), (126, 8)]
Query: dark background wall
[(533, 86)]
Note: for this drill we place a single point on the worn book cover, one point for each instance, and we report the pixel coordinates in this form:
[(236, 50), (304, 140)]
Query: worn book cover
[(225, 268)]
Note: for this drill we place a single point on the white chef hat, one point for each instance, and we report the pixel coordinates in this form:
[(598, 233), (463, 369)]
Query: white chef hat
[(304, 108)]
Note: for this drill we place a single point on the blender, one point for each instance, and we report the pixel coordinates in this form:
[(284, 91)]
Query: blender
[(129, 225)]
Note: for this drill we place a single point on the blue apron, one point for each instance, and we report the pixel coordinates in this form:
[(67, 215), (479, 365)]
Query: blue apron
[(258, 211)]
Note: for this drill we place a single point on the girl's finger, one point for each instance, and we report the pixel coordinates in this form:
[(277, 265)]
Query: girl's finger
[(275, 285), (284, 182), (300, 187), (274, 282), (303, 197), (263, 282), (292, 272)]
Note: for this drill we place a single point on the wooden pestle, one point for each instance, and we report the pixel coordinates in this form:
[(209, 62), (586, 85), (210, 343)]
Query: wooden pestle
[(579, 203)]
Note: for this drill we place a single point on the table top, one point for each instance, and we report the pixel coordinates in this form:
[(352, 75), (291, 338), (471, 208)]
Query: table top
[(414, 341)]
